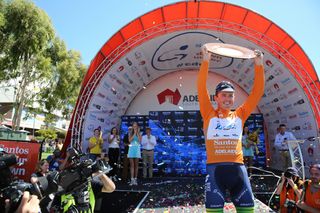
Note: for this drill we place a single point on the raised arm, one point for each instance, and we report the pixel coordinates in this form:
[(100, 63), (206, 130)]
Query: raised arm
[(203, 95), (111, 138), (257, 90), (280, 185), (131, 136), (108, 184)]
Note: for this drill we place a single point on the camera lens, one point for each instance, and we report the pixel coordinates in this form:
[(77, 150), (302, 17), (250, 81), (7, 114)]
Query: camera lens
[(288, 174)]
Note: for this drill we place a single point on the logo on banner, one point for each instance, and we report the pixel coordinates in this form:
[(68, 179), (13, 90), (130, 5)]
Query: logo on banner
[(292, 91), (27, 157), (285, 81), (303, 114), (169, 96), (175, 53)]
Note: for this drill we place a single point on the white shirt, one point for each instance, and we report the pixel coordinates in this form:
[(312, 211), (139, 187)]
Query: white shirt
[(114, 141), (280, 141), (148, 143)]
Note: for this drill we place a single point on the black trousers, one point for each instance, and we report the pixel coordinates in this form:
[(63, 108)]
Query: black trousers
[(113, 160)]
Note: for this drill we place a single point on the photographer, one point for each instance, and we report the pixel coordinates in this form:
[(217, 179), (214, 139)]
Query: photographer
[(310, 200), (81, 184), (11, 192), (29, 204), (289, 190)]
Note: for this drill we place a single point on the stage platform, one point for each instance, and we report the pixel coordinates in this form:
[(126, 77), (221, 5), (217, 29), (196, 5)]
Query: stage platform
[(228, 208), (164, 194)]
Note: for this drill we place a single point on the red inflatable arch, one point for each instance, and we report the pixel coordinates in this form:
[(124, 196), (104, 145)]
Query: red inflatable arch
[(194, 23)]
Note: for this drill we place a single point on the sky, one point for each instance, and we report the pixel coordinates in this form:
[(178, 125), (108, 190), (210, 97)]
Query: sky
[(86, 25)]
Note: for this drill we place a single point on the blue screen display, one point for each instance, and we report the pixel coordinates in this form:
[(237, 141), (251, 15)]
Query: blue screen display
[(180, 148)]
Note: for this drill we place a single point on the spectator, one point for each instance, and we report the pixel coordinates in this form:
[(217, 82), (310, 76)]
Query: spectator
[(281, 143), (125, 162), (310, 200), (289, 190), (247, 148), (59, 145), (148, 142), (134, 152), (95, 145), (42, 169), (54, 160), (114, 151)]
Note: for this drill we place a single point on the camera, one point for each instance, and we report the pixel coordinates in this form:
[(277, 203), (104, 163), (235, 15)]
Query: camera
[(14, 193), (289, 203), (75, 176), (9, 189), (275, 202), (291, 172), (288, 174), (71, 180), (7, 160)]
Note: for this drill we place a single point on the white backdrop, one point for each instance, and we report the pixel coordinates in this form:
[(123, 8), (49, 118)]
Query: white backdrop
[(121, 89)]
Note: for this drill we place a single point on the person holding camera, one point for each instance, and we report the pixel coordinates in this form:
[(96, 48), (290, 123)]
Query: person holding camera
[(288, 192), (81, 184), (310, 199), (134, 152), (281, 143), (28, 204), (14, 196)]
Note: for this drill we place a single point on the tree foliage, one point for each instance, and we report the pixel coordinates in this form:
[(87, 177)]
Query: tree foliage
[(46, 134), (65, 84), (43, 70), (1, 13)]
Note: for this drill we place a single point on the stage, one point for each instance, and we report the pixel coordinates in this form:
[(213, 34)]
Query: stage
[(173, 194)]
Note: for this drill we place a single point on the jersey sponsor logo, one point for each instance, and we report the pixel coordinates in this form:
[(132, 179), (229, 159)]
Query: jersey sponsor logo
[(224, 128), (225, 151)]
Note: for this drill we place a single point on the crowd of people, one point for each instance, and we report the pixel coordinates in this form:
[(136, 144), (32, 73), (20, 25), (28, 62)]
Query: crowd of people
[(138, 147)]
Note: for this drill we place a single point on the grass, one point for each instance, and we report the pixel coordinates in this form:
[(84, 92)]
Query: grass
[(44, 155)]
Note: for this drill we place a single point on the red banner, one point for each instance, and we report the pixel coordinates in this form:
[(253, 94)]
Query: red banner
[(28, 155)]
